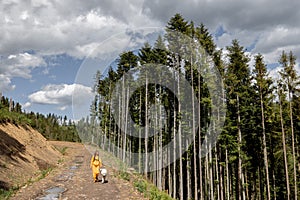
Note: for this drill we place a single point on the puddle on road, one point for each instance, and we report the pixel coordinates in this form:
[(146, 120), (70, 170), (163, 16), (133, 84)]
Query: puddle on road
[(56, 192), (74, 167), (66, 176), (52, 193)]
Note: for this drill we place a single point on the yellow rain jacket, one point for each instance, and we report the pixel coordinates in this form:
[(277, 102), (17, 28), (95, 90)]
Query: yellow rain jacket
[(95, 165)]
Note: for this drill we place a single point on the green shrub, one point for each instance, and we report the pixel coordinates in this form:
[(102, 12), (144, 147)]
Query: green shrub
[(150, 191), (124, 175), (141, 186)]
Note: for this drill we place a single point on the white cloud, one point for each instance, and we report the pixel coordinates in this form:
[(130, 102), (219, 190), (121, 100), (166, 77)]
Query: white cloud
[(5, 83), (17, 65), (69, 27), (20, 65), (26, 105), (76, 27), (62, 95), (272, 25)]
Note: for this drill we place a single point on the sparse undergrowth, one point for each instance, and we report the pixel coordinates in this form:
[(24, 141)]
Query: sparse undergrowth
[(143, 186), (5, 194), (62, 150), (150, 190)]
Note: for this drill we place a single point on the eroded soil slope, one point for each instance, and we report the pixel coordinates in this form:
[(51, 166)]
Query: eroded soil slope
[(24, 155)]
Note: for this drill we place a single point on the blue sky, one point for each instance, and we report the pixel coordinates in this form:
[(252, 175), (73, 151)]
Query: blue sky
[(50, 50)]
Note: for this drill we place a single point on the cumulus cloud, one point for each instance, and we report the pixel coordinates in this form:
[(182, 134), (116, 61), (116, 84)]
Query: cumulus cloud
[(66, 27), (270, 24), (76, 27), (20, 65), (62, 95), (5, 83), (17, 65), (26, 105)]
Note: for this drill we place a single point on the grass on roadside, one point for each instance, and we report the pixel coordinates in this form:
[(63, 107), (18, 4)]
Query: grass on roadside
[(150, 190), (6, 194), (62, 150), (142, 185), (44, 173)]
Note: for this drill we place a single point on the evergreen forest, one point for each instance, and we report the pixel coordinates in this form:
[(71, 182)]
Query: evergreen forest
[(137, 113), (51, 126)]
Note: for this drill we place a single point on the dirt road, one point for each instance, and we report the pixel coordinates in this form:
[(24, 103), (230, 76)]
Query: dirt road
[(72, 179)]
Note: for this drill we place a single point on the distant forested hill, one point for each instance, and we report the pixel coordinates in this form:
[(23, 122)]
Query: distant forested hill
[(51, 126)]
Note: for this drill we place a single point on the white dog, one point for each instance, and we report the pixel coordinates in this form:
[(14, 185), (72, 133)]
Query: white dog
[(103, 172)]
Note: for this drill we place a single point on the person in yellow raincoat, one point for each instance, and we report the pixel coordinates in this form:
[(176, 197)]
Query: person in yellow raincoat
[(96, 163)]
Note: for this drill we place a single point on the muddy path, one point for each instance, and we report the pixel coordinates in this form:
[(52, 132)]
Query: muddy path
[(72, 179)]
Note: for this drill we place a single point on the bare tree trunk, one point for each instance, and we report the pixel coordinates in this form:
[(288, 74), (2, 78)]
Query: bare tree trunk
[(174, 151), (126, 106), (293, 146), (180, 142), (188, 174), (206, 169), (222, 188), (217, 174), (119, 130), (211, 178), (155, 145), (265, 145), (160, 154), (146, 129), (10, 105), (194, 136), (284, 149), (169, 174), (199, 140), (240, 173), (140, 135)]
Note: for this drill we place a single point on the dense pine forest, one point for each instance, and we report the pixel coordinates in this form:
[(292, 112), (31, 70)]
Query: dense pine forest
[(51, 126), (257, 153)]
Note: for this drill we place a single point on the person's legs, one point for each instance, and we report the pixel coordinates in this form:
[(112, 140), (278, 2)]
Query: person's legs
[(95, 176)]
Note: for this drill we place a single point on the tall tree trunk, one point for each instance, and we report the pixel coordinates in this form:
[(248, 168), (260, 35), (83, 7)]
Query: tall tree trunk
[(240, 172), (188, 175), (160, 154), (146, 129), (200, 140), (170, 188), (194, 137), (217, 173), (265, 145), (140, 163), (174, 150), (126, 106), (222, 188), (293, 146), (207, 178), (284, 149), (119, 129), (211, 178), (180, 141)]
